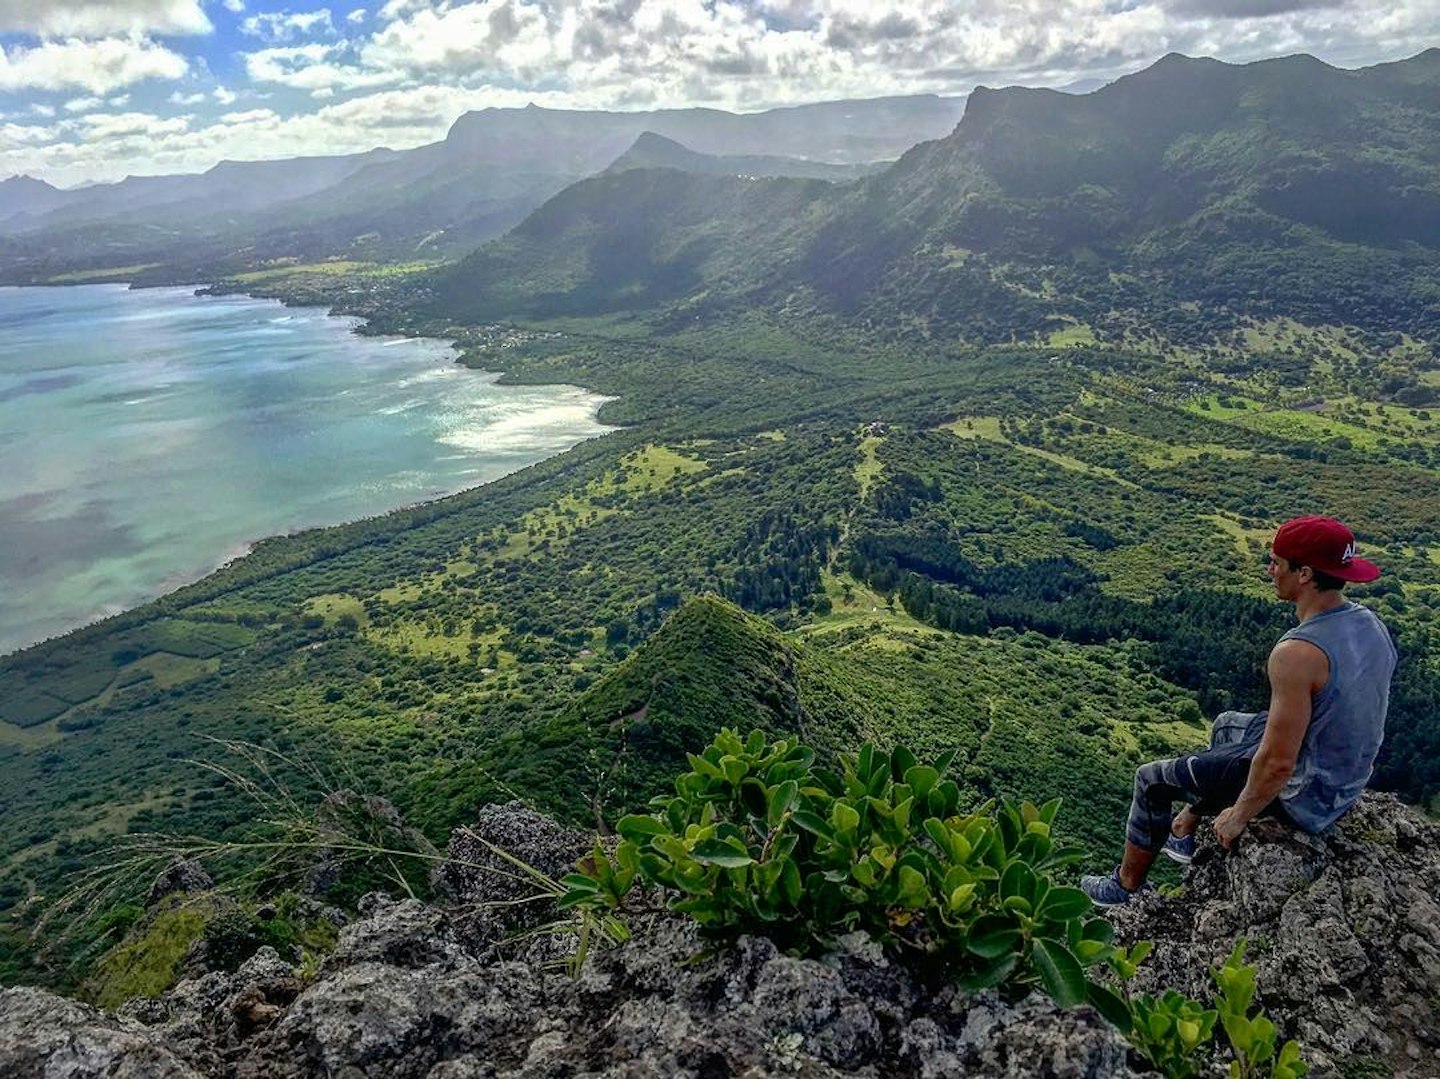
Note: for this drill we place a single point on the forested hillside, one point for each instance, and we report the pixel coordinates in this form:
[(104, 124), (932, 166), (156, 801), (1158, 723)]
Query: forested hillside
[(1169, 206), (894, 465)]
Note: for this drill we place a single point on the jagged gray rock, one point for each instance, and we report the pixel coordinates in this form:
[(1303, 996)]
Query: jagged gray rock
[(1345, 932), (43, 1036), (184, 875), (486, 893)]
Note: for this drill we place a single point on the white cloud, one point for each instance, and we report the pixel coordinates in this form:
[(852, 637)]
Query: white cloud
[(395, 8), (103, 126), (277, 26), (252, 116), (24, 136), (490, 36), (311, 67), (46, 111), (751, 54), (97, 66), (107, 147), (406, 68), (88, 18), (235, 6), (83, 104)]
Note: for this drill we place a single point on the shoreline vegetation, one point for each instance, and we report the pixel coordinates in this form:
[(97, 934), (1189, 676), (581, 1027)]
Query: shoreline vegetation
[(181, 580)]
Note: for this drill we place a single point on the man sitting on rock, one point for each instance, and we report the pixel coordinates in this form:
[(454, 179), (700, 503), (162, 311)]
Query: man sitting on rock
[(1307, 758)]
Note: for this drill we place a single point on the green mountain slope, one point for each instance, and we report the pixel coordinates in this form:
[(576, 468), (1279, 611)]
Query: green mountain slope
[(1263, 188), (1279, 188), (709, 666), (631, 240), (1042, 556), (1045, 561), (890, 680), (435, 201)]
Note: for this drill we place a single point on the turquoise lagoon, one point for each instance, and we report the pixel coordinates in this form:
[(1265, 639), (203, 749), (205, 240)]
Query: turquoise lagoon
[(147, 437)]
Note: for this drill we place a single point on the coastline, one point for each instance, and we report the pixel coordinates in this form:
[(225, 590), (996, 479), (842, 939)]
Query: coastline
[(233, 559)]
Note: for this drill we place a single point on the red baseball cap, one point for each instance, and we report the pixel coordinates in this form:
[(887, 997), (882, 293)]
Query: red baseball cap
[(1324, 544)]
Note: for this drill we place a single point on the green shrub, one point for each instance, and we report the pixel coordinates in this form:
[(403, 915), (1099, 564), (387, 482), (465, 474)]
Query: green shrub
[(1252, 1037), (756, 839), (1177, 1034)]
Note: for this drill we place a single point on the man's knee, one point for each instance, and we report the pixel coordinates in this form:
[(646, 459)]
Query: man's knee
[(1148, 775), (1230, 728)]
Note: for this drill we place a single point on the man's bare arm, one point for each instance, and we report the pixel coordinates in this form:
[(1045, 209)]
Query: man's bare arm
[(1297, 670)]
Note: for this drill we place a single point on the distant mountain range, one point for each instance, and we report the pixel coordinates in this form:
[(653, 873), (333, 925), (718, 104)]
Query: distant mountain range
[(652, 151), (492, 169), (1280, 187), (1174, 201)]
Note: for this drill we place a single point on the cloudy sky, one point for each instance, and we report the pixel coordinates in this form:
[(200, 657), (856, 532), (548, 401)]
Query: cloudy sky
[(98, 89)]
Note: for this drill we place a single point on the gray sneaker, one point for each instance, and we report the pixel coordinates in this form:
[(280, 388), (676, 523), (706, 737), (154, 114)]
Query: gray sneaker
[(1107, 891), (1180, 849)]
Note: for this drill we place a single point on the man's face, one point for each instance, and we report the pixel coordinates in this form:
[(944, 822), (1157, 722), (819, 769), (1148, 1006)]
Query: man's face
[(1287, 581)]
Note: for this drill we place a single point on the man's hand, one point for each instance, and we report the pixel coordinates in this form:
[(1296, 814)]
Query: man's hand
[(1228, 826)]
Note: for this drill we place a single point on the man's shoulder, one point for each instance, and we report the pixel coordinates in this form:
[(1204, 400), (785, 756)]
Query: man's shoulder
[(1298, 658)]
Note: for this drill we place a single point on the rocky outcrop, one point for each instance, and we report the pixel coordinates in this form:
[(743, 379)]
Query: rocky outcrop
[(45, 1035), (184, 875), (1344, 932)]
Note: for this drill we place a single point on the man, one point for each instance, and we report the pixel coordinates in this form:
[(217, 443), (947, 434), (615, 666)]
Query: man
[(1307, 758)]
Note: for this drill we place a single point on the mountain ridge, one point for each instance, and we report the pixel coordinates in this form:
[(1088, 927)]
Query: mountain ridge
[(651, 150), (1192, 176), (491, 170)]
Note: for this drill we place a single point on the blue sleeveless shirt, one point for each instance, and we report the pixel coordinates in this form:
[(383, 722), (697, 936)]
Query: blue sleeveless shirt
[(1347, 717)]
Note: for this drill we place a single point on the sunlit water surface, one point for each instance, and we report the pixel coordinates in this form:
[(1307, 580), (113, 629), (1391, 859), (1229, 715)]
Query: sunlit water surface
[(147, 437)]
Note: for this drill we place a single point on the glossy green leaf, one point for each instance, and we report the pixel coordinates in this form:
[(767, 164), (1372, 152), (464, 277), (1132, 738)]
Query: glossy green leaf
[(990, 974), (921, 779), (1110, 1005), (901, 761), (994, 941), (720, 853), (638, 827), (914, 892), (1060, 972), (1018, 880), (813, 823), (1062, 904), (939, 834), (844, 818), (781, 799), (703, 767), (790, 884), (864, 762)]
